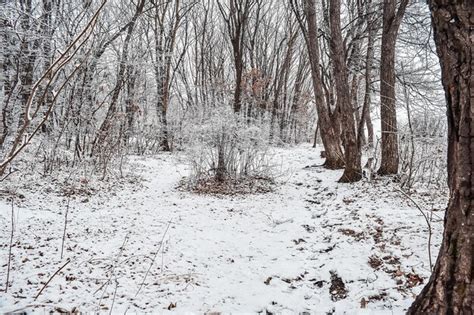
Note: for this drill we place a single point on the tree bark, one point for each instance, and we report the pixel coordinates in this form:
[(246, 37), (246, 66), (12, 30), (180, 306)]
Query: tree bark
[(388, 114), (331, 141), (369, 60), (165, 40), (450, 289), (352, 153)]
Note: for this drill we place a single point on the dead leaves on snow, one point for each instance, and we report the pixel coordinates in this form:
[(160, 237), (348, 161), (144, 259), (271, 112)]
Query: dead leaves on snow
[(337, 290)]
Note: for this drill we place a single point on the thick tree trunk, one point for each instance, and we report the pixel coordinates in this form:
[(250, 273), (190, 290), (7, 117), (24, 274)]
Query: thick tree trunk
[(331, 141), (352, 153), (451, 288), (388, 114)]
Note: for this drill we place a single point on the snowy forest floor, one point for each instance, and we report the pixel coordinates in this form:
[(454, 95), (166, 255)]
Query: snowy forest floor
[(141, 245)]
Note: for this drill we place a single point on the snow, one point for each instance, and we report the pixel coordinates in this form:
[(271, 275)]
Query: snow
[(219, 252)]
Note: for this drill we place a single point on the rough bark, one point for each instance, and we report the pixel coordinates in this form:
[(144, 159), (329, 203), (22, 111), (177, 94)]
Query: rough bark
[(331, 141), (450, 289), (392, 18), (352, 153)]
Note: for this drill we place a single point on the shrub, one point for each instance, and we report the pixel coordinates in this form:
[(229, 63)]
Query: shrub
[(229, 154)]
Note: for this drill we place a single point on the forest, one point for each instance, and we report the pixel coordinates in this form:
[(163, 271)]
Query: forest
[(236, 156)]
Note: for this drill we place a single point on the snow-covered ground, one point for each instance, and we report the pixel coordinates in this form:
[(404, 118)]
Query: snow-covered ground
[(148, 247)]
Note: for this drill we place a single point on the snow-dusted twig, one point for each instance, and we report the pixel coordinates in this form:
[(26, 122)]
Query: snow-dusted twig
[(115, 295), (51, 278), (65, 225), (9, 173), (428, 223), (154, 257), (112, 273), (10, 248)]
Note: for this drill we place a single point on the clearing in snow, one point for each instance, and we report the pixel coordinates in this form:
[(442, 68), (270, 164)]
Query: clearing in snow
[(311, 245)]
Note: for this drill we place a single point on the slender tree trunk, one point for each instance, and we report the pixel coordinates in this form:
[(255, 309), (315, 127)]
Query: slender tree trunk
[(239, 69), (388, 114), (236, 20), (315, 142), (130, 106), (104, 129), (27, 59), (369, 60), (331, 141), (359, 115), (6, 84), (299, 80), (282, 77), (450, 289)]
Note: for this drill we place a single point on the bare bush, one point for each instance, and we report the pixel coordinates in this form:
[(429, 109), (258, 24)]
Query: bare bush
[(228, 152), (423, 153)]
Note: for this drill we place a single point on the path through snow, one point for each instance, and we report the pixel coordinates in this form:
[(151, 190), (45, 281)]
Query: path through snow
[(270, 252)]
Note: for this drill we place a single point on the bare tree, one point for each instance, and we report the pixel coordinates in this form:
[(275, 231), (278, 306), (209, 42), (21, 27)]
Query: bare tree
[(166, 22), (36, 110), (353, 170), (103, 132), (329, 136), (236, 14), (392, 17)]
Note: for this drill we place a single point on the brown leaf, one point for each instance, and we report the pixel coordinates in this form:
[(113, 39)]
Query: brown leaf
[(267, 282)]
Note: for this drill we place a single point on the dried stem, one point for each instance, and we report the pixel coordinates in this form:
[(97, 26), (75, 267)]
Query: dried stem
[(10, 248), (65, 226), (46, 284)]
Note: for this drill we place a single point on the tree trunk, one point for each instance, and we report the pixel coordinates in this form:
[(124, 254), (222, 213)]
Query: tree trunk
[(108, 122), (236, 20), (388, 114), (331, 141), (130, 106), (239, 69), (282, 78), (27, 60), (451, 288), (352, 153), (369, 60), (6, 84), (299, 80)]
